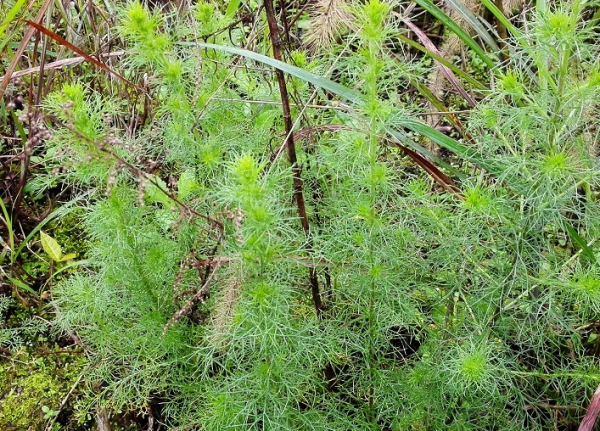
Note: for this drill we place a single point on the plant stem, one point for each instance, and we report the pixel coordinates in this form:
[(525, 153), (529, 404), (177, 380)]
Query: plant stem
[(291, 147)]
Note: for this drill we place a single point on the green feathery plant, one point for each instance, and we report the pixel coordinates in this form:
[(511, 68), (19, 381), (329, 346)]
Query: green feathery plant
[(474, 309)]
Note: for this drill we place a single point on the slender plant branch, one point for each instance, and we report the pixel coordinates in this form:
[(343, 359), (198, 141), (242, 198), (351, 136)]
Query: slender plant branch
[(290, 145)]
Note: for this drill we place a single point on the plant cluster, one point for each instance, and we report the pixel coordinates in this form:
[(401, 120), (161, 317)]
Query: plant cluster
[(463, 294)]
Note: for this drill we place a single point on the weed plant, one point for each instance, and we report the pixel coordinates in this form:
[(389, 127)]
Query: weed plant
[(470, 310)]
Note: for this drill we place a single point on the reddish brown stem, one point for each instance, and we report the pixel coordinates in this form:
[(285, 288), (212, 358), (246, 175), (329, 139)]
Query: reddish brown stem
[(291, 148), (587, 424), (502, 33)]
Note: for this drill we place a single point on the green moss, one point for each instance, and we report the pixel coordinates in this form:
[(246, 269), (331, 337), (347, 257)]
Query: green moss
[(32, 389)]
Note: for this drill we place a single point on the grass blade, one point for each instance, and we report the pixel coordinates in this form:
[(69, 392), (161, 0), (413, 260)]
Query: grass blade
[(441, 178), (452, 145), (82, 53), (439, 105), (11, 15), (9, 227), (353, 96), (319, 81), (443, 61), (470, 18), (21, 49), (456, 29), (577, 239), (22, 285), (445, 70), (502, 18)]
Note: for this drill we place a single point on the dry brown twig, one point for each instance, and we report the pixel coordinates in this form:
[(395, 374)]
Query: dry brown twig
[(58, 64), (587, 424)]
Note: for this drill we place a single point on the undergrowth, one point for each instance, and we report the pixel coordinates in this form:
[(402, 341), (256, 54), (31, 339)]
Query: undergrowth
[(467, 299)]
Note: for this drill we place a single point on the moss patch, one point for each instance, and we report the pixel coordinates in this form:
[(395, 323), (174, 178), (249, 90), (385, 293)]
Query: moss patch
[(32, 389)]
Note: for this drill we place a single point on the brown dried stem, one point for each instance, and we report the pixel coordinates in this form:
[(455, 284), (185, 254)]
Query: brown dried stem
[(290, 145), (587, 424)]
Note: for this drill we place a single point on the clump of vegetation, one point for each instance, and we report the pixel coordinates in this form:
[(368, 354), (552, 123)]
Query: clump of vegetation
[(263, 255)]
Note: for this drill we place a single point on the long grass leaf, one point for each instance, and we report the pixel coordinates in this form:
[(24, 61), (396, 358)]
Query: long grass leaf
[(502, 18), (473, 21), (9, 226), (451, 144), (443, 61), (437, 103), (445, 70), (577, 239), (353, 96), (57, 213), (317, 80), (22, 285), (21, 49), (432, 170), (456, 29), (11, 15), (82, 53)]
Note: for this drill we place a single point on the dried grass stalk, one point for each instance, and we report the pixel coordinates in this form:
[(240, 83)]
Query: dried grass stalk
[(226, 302), (329, 18)]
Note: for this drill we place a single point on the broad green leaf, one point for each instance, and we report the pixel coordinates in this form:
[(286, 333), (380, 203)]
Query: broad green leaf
[(232, 8), (154, 192), (186, 185), (68, 257), (51, 247)]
